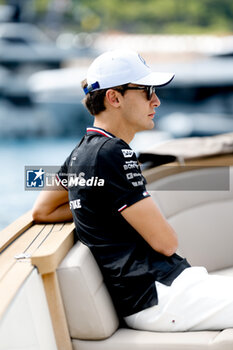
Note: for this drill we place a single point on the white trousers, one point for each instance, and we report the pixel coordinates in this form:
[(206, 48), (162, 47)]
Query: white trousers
[(194, 301)]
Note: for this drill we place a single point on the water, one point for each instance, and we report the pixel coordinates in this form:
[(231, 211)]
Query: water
[(14, 155)]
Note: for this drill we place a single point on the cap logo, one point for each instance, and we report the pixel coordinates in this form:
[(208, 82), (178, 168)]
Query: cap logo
[(91, 87), (143, 61)]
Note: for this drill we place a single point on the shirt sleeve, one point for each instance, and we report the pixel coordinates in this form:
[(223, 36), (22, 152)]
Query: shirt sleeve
[(118, 166), (63, 173)]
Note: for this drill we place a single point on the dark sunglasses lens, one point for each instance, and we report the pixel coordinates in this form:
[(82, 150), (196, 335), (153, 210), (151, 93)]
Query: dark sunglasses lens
[(150, 91)]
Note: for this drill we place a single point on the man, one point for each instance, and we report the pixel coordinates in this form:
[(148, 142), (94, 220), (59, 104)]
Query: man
[(152, 287)]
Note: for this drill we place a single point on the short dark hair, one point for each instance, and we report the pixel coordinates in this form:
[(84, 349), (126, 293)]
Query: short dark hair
[(94, 100)]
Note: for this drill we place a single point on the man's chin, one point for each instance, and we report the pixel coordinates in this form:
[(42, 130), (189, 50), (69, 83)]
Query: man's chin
[(151, 125), (148, 126)]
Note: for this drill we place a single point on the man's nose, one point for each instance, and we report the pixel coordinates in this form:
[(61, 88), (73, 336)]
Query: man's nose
[(155, 100)]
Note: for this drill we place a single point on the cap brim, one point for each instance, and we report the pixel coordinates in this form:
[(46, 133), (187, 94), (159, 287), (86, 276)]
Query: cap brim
[(155, 79)]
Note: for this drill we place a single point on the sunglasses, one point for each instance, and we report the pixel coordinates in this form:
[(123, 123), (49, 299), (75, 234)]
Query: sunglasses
[(149, 89)]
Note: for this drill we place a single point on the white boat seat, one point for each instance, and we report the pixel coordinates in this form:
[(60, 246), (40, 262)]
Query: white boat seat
[(203, 221), (93, 323), (89, 309)]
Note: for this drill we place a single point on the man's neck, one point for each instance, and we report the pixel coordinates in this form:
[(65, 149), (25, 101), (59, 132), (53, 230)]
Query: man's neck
[(116, 128)]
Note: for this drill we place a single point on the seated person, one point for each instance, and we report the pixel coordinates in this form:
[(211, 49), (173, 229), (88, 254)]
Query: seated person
[(152, 287)]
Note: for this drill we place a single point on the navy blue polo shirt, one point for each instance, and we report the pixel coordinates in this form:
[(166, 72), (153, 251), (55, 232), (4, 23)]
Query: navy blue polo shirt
[(103, 177)]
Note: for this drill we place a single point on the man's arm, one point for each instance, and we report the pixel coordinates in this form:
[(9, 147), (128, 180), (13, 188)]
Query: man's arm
[(52, 206), (147, 220)]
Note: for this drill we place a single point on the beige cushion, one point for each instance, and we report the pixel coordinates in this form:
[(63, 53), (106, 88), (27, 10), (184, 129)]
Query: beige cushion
[(205, 234), (203, 220), (89, 308), (129, 339), (173, 201), (225, 272)]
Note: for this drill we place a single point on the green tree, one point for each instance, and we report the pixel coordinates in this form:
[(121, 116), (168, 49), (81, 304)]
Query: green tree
[(159, 16)]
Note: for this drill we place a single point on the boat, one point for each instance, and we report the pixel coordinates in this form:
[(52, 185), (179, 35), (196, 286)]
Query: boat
[(24, 43), (199, 102), (52, 292)]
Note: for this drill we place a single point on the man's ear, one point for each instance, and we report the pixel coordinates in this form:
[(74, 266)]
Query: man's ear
[(112, 96)]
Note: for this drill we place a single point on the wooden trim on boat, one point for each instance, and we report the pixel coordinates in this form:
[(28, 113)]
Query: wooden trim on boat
[(57, 311), (165, 170), (47, 258), (24, 244), (14, 230), (49, 255)]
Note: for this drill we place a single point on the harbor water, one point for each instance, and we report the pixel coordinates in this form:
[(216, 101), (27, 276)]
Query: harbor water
[(14, 156)]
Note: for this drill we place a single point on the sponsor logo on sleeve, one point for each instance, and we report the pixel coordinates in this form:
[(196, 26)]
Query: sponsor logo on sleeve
[(129, 176), (127, 153), (137, 183), (131, 164)]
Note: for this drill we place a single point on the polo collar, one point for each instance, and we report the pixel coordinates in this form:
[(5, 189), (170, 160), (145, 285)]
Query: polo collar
[(93, 129)]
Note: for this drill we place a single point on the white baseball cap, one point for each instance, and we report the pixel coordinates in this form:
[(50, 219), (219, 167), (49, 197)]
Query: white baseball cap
[(118, 67)]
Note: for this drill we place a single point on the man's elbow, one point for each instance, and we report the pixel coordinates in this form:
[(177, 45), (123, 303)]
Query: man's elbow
[(171, 248), (38, 215), (170, 251)]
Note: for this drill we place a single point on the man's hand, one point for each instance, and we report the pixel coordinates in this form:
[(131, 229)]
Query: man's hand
[(52, 206), (147, 220)]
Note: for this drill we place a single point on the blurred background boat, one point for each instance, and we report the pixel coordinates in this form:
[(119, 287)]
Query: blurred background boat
[(24, 44), (198, 102)]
